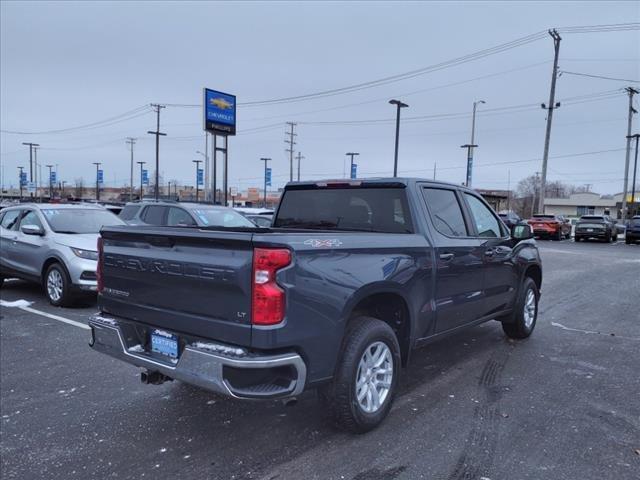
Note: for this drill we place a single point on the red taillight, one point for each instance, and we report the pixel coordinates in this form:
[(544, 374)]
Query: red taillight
[(268, 302), (99, 267)]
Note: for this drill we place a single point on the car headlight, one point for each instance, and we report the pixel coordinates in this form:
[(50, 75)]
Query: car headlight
[(86, 254)]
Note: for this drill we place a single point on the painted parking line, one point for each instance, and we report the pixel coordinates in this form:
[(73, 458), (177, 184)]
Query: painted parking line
[(26, 306)]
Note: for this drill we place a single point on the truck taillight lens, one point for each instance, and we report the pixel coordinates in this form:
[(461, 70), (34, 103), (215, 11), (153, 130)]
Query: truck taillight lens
[(99, 266), (268, 302)]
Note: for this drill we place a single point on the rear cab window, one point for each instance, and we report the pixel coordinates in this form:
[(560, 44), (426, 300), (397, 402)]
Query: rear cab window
[(366, 209)]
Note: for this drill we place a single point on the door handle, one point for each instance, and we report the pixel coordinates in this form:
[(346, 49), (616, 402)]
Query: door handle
[(446, 257), (502, 250), (489, 252)]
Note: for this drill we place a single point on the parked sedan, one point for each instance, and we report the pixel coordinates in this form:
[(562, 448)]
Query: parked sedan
[(54, 245), (598, 227), (633, 231), (555, 227)]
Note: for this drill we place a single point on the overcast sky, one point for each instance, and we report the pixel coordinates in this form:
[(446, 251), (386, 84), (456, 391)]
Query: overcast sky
[(68, 64)]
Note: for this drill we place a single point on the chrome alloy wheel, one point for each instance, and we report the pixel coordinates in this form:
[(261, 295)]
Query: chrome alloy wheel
[(529, 309), (375, 376), (54, 285)]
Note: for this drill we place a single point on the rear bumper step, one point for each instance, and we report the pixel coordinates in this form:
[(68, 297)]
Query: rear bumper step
[(224, 369)]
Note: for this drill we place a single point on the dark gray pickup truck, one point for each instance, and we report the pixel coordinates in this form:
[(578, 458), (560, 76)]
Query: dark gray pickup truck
[(351, 277)]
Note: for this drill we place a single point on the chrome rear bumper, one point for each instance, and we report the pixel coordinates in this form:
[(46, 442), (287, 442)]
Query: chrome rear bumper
[(220, 368)]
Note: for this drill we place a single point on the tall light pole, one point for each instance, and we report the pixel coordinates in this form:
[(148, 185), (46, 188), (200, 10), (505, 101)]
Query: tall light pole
[(141, 187), (472, 144), (351, 154), (635, 169), (97, 164), (197, 162), (131, 142), (399, 105), (31, 145), (265, 160), (50, 183)]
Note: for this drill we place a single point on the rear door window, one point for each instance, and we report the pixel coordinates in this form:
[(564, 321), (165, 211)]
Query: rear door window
[(129, 212), (10, 219), (179, 217), (445, 211), (486, 222), (154, 215)]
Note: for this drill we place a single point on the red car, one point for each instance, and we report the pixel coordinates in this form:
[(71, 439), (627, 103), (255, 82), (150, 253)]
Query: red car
[(555, 227)]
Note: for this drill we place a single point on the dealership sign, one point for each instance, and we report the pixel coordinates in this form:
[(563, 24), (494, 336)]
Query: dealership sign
[(219, 112)]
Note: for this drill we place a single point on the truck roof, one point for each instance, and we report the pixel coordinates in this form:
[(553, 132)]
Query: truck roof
[(398, 181)]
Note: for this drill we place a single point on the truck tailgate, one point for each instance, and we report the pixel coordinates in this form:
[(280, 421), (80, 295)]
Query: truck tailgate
[(184, 280)]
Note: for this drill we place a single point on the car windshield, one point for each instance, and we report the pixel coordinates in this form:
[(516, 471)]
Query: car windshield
[(79, 220), (591, 217), (544, 217), (221, 217)]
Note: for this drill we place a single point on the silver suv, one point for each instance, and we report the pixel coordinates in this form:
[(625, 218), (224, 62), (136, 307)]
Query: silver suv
[(53, 245)]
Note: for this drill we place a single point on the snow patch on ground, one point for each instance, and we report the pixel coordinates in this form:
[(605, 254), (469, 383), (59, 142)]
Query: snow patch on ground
[(14, 304)]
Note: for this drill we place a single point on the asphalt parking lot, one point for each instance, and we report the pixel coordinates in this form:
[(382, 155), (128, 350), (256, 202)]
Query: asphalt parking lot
[(564, 404)]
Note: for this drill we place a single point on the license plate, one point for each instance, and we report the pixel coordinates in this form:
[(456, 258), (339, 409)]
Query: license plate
[(164, 343), (539, 225), (589, 229)]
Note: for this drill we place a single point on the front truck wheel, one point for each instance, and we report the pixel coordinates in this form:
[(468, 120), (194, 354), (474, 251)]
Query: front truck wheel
[(360, 395), (522, 321)]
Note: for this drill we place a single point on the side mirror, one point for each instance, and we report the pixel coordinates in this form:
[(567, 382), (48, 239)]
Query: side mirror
[(32, 230), (521, 231)]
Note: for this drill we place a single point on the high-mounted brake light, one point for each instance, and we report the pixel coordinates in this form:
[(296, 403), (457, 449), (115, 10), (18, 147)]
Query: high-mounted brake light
[(99, 267), (268, 301)]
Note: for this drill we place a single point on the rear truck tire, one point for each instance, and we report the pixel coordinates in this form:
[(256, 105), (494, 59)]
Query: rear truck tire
[(366, 378), (627, 241), (608, 237), (57, 286), (558, 235), (522, 321)]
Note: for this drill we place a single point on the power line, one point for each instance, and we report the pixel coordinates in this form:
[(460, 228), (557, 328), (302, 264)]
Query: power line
[(123, 117), (564, 72)]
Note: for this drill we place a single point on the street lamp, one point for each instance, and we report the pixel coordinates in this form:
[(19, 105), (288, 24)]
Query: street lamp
[(399, 105), (471, 145), (50, 183), (197, 162), (20, 168), (97, 164), (351, 154), (265, 160), (635, 168), (141, 187)]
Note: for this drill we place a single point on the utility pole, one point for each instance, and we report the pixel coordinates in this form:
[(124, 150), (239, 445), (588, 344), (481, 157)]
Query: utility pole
[(631, 92), (141, 187), (635, 169), (197, 162), (351, 154), (399, 105), (50, 183), (509, 190), (131, 142), (97, 164), (535, 187), (20, 168), (62, 185), (299, 157), (434, 170), (291, 143), (552, 105), (38, 172), (157, 133), (265, 160), (471, 144)]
